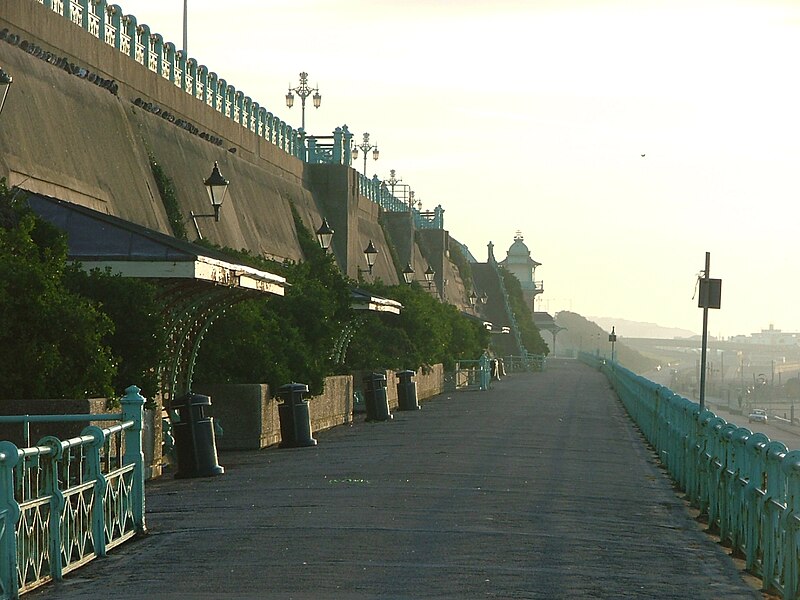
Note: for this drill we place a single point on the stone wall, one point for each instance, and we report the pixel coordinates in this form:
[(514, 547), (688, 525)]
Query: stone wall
[(13, 432), (248, 415), (249, 418)]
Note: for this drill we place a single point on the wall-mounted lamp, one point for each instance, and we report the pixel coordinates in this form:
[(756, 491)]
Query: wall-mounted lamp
[(473, 298), (484, 298), (217, 188), (370, 253), (324, 235), (408, 275), (5, 84)]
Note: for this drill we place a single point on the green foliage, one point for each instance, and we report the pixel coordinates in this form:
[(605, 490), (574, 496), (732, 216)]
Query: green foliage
[(50, 337), (281, 340), (426, 332), (531, 337), (166, 190), (462, 264), (138, 341)]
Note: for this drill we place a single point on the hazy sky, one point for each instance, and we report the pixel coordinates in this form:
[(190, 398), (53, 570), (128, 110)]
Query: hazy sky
[(533, 116)]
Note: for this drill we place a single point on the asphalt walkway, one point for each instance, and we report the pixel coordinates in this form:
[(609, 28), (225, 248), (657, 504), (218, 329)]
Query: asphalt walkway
[(538, 488)]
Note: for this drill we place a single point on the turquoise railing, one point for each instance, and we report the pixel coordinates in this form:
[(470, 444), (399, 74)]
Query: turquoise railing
[(528, 362), (107, 22), (473, 374), (66, 502), (747, 485)]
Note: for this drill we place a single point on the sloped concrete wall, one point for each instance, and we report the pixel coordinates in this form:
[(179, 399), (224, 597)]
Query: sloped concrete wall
[(66, 137)]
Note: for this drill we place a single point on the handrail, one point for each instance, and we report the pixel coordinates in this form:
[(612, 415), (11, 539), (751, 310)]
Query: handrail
[(746, 485), (42, 536)]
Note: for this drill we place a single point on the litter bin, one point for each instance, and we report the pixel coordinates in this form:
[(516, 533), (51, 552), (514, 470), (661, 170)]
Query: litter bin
[(195, 444), (375, 397), (294, 416), (406, 391)]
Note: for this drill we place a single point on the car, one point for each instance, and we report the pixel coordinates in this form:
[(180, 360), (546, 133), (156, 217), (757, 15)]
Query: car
[(757, 415)]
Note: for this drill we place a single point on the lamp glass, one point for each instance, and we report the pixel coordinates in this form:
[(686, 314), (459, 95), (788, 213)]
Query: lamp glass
[(317, 99), (370, 252), (290, 99), (429, 273), (375, 154), (217, 187), (324, 235), (355, 152), (408, 274)]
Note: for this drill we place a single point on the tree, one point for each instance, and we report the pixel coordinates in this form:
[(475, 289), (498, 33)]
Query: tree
[(50, 337)]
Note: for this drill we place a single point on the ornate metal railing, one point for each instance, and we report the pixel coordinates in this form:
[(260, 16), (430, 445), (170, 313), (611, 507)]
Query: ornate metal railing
[(473, 374), (65, 502), (746, 485), (107, 22)]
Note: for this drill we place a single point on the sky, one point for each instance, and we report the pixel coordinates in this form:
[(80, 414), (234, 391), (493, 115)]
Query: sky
[(533, 116)]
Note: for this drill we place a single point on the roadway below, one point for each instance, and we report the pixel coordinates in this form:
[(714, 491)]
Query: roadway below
[(538, 488)]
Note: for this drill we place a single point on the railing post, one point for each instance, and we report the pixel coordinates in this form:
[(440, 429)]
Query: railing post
[(51, 488), (9, 515), (347, 146), (94, 471), (791, 524), (133, 410)]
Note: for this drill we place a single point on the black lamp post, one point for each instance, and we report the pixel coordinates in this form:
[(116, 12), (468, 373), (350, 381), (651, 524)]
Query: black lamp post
[(304, 91), (365, 147), (5, 84), (324, 235), (217, 188)]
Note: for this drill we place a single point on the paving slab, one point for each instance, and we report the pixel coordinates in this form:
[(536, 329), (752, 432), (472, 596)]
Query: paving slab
[(538, 488)]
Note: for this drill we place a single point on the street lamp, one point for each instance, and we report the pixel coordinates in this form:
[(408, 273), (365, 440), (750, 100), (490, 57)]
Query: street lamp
[(217, 188), (324, 235), (473, 298), (370, 253), (304, 91), (408, 275), (365, 147), (5, 84)]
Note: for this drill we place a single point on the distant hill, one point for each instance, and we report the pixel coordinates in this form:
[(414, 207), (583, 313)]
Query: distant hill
[(583, 335), (637, 329)]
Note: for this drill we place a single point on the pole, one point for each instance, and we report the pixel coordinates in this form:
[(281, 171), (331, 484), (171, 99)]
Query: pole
[(185, 20), (705, 341)]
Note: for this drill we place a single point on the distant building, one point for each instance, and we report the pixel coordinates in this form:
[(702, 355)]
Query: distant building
[(768, 337), (519, 262)]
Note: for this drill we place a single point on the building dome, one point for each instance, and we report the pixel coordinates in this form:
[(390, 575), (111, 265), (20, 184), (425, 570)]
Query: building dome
[(519, 253)]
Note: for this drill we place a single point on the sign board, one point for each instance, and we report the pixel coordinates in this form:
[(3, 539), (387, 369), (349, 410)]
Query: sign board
[(710, 294)]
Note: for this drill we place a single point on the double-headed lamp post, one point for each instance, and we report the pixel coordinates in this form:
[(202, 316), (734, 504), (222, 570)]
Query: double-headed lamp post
[(365, 147), (304, 91)]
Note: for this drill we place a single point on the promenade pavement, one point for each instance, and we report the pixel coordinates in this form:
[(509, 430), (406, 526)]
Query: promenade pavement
[(538, 488)]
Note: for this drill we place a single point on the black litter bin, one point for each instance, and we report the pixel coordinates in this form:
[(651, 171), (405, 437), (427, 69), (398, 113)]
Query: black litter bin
[(406, 391), (195, 444), (294, 416), (375, 397)]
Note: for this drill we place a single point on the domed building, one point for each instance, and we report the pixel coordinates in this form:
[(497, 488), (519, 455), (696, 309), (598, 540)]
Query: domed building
[(519, 262)]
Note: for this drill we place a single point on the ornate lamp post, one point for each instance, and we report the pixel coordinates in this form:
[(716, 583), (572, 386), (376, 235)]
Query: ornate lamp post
[(304, 91), (365, 147)]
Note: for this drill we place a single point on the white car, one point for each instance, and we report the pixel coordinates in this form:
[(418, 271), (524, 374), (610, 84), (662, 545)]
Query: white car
[(757, 415)]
